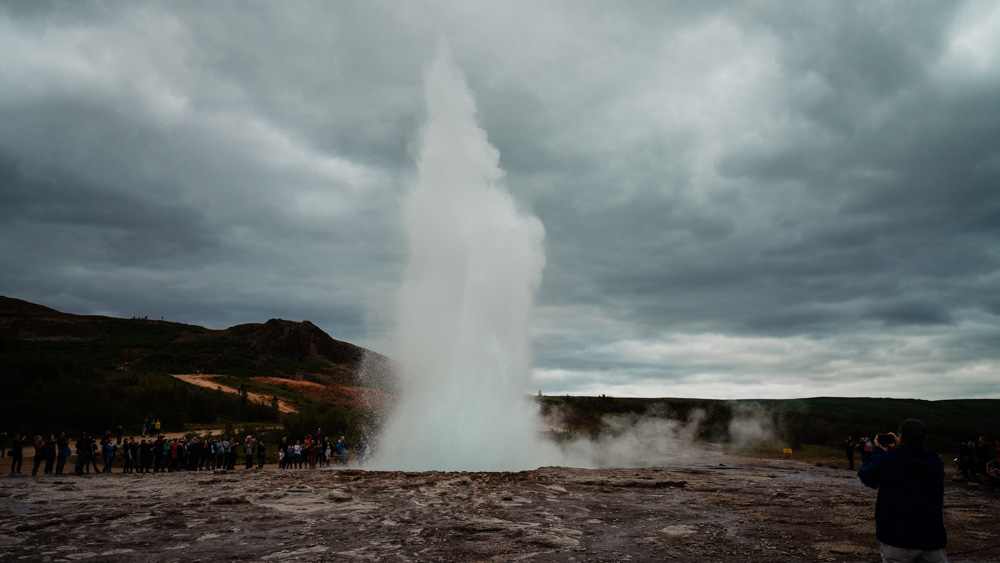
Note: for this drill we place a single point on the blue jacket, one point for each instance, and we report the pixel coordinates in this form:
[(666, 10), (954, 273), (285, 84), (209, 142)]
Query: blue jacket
[(909, 510)]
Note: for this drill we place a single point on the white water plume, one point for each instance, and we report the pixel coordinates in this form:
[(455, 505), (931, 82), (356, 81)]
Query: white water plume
[(464, 308)]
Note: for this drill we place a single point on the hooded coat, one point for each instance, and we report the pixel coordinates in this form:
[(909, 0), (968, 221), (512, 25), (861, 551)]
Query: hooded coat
[(909, 509)]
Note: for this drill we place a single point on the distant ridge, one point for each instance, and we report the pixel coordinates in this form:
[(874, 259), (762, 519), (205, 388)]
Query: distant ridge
[(28, 321), (276, 348)]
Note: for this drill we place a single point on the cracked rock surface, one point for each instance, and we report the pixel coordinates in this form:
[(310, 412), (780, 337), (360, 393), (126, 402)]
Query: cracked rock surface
[(726, 509)]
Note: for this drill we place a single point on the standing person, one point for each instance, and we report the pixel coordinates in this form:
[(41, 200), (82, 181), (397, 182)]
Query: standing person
[(220, 454), (110, 450), (865, 446), (363, 451), (985, 452), (227, 451), (82, 453), (127, 458), (39, 454), (909, 509), (62, 452), (93, 456), (157, 452), (16, 454), (50, 453), (164, 454), (248, 446), (119, 442), (283, 453), (849, 450), (343, 455), (3, 444), (145, 456), (261, 455)]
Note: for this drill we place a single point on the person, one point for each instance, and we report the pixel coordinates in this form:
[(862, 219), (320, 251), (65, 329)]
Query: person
[(261, 454), (985, 453), (62, 452), (108, 449), (83, 450), (3, 444), (39, 454), (968, 461), (248, 445), (16, 454), (343, 456), (866, 449), (849, 449), (49, 451), (93, 456), (363, 451), (909, 508), (283, 453), (120, 430), (145, 456)]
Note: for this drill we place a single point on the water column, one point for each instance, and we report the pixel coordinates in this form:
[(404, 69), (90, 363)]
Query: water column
[(464, 307)]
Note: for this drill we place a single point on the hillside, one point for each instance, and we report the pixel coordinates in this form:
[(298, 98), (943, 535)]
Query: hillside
[(44, 353), (60, 371), (825, 421)]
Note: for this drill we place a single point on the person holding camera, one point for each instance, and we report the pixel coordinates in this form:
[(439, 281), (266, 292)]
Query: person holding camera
[(909, 509)]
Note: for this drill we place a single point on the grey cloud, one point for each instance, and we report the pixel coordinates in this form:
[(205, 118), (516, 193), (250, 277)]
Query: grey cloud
[(759, 172)]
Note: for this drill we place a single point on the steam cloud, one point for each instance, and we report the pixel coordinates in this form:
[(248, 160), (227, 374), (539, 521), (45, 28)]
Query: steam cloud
[(465, 305)]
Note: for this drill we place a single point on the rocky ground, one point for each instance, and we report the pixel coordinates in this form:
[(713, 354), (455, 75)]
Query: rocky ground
[(722, 508)]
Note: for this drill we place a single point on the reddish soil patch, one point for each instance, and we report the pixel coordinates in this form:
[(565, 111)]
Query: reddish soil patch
[(358, 399), (206, 380)]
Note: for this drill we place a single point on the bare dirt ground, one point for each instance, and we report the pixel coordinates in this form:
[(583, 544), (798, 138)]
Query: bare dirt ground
[(355, 398), (205, 380), (716, 508)]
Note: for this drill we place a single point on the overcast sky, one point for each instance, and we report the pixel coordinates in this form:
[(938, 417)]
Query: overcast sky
[(740, 200)]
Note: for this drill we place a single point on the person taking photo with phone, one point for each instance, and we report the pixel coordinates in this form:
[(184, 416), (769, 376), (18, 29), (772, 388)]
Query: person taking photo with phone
[(909, 509)]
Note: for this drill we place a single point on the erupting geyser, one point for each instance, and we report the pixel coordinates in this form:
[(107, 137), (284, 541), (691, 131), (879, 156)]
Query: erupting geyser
[(465, 304)]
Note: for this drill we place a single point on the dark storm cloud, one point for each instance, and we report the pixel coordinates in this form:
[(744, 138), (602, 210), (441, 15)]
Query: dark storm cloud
[(739, 199)]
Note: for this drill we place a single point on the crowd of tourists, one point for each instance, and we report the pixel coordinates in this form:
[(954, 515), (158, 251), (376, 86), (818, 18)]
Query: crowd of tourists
[(158, 454), (976, 458)]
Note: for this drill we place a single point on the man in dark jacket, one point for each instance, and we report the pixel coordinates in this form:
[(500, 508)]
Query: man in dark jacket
[(909, 514)]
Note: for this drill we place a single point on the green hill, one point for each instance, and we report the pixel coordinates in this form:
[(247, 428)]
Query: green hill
[(62, 372), (65, 372), (825, 421)]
